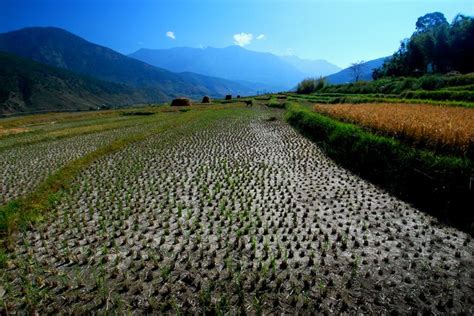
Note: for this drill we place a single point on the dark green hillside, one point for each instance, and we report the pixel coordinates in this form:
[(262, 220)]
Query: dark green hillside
[(59, 48), (28, 86)]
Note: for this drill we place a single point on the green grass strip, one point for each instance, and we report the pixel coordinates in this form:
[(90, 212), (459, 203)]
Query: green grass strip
[(332, 98)]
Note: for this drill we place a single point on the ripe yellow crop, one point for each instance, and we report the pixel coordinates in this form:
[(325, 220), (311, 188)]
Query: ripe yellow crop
[(428, 125)]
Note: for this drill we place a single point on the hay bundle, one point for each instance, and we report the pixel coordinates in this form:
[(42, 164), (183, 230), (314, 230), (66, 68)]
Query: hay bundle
[(181, 102), (206, 99), (228, 97)]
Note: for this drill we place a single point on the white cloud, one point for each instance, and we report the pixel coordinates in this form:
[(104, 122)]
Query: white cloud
[(243, 39), (170, 34), (261, 37)]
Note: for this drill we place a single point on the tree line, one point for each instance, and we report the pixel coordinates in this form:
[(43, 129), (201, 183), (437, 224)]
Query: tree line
[(435, 47)]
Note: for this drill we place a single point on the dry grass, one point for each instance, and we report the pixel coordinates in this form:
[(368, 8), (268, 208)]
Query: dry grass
[(11, 131), (53, 118), (433, 126)]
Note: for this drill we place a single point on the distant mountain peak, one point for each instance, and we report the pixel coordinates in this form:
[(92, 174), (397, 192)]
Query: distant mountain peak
[(346, 75), (308, 59), (45, 31), (262, 70), (60, 48), (311, 67)]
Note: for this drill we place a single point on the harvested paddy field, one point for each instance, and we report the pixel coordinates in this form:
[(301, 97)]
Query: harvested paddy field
[(222, 209)]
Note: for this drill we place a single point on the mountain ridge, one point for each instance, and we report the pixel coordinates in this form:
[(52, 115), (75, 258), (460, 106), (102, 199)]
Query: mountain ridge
[(59, 48), (346, 74), (29, 86), (262, 69), (312, 67)]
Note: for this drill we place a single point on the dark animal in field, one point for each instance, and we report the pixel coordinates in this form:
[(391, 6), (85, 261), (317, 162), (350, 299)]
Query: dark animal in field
[(228, 97), (181, 102), (206, 99), (248, 102)]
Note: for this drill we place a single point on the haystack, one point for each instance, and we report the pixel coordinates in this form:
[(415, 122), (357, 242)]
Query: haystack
[(228, 97), (181, 102), (206, 99)]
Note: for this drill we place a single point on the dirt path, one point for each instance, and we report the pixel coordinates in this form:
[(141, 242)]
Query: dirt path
[(236, 213)]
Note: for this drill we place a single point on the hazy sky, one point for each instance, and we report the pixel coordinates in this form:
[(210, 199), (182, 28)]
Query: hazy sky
[(339, 31)]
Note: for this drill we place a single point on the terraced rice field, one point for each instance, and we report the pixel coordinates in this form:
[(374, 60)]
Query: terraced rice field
[(227, 210), (434, 126)]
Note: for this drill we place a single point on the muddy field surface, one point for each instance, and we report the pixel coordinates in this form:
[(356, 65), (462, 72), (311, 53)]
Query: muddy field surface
[(230, 214), (22, 168)]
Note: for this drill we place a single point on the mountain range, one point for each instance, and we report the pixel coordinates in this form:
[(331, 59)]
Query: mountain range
[(48, 68), (260, 71), (29, 86), (312, 68), (59, 48)]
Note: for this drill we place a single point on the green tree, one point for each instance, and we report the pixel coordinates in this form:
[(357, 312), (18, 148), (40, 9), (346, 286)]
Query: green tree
[(436, 46), (429, 21)]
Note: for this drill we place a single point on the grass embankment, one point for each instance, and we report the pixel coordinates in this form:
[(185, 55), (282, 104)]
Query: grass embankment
[(398, 85), (446, 90), (439, 184), (337, 98)]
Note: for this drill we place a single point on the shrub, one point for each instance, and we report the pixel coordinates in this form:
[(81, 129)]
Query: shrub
[(275, 104), (431, 82), (440, 95), (310, 85), (228, 97), (206, 99), (402, 84), (461, 80), (407, 84)]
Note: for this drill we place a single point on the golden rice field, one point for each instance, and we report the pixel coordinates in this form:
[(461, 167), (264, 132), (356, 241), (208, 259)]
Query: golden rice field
[(434, 126)]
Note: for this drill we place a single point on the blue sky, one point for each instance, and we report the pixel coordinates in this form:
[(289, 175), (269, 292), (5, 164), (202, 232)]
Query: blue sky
[(339, 31)]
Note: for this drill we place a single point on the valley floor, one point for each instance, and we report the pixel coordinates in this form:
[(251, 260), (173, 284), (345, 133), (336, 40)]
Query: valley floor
[(227, 210)]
